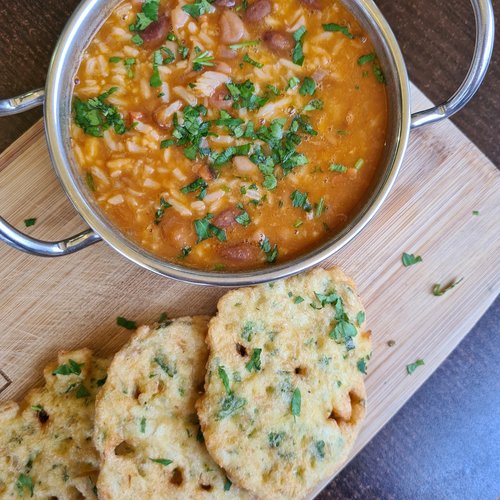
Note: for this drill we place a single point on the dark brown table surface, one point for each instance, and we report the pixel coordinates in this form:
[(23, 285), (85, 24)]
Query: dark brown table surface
[(445, 442)]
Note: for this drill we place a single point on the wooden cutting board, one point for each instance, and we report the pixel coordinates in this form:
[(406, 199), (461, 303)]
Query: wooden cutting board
[(69, 302)]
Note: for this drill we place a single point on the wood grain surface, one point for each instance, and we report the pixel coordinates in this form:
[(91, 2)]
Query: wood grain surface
[(70, 302), (445, 442)]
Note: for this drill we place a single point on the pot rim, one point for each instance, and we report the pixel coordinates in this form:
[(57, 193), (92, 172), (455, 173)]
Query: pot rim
[(96, 220)]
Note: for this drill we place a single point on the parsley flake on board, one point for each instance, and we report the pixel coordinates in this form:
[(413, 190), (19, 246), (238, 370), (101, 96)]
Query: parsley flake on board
[(125, 323), (30, 222), (296, 402), (254, 363), (298, 52), (205, 230), (198, 8), (413, 366), (409, 259), (70, 368), (333, 27), (95, 115), (437, 290)]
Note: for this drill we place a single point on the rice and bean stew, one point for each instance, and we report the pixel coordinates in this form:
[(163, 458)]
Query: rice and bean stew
[(229, 134)]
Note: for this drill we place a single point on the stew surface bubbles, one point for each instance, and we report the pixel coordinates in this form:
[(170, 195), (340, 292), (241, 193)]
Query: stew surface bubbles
[(230, 134)]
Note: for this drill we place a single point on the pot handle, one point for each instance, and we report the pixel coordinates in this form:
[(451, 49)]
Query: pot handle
[(485, 34), (15, 238)]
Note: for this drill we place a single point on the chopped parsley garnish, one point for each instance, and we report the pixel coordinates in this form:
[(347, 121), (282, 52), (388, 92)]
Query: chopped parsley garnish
[(30, 222), (292, 83), (148, 15), (413, 366), (89, 180), (308, 87), (71, 368), (320, 207), (300, 200), (270, 251), (161, 461), (337, 167), (198, 8), (359, 164), (229, 405), (137, 39), (360, 318), (115, 59), (253, 62), (254, 363), (298, 223), (129, 63), (379, 74), (337, 27), (234, 125), (198, 184), (409, 259), (37, 407), (100, 382), (298, 52), (275, 439), (361, 364), (227, 484), (296, 402), (163, 320), (205, 230), (24, 482), (249, 43), (243, 95), (82, 392), (169, 369), (142, 425), (313, 105), (475, 212), (161, 211), (221, 157), (243, 219), (125, 323), (273, 89), (225, 379), (298, 300), (437, 290), (320, 448), (95, 115), (366, 58), (204, 59)]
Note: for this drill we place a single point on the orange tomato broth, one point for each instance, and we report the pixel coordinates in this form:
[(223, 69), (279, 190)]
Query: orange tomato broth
[(139, 185)]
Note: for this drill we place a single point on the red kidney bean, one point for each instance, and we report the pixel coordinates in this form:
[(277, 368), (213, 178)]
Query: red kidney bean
[(279, 42), (156, 33), (227, 218), (258, 10), (239, 252), (219, 99)]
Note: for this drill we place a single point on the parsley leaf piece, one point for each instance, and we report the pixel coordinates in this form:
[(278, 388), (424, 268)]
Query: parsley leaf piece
[(254, 363), (72, 367), (320, 448), (308, 87), (275, 439), (366, 58), (89, 180), (129, 63), (337, 167), (148, 15), (271, 252), (475, 212), (292, 83), (243, 219), (379, 74), (437, 290), (337, 27), (298, 300), (198, 184), (125, 323), (229, 405), (82, 392), (409, 259), (205, 230), (225, 379), (298, 52), (249, 43), (96, 115), (204, 59), (313, 105), (161, 461), (359, 164), (320, 207), (198, 8), (30, 222), (161, 211), (142, 425), (296, 402), (361, 364), (227, 484), (137, 39), (244, 96), (300, 200), (360, 318), (115, 59), (413, 366), (24, 481), (168, 368), (253, 62)]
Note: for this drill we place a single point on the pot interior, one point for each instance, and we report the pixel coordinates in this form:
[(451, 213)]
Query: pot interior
[(78, 33)]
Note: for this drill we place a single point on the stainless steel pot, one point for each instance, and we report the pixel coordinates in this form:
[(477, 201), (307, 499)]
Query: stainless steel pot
[(56, 98)]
